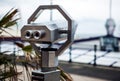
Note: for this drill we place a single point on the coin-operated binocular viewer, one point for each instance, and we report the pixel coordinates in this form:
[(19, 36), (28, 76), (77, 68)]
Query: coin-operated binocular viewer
[(48, 33)]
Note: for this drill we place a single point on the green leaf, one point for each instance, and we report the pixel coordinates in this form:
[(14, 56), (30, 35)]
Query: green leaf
[(27, 48), (11, 23), (8, 17)]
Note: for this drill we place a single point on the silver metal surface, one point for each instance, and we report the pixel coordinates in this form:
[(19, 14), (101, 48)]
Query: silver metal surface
[(49, 59), (49, 33), (52, 32), (46, 76)]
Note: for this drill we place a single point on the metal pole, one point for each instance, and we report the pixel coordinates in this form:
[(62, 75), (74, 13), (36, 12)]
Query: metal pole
[(14, 52), (95, 49), (51, 13), (70, 54), (110, 7), (0, 45)]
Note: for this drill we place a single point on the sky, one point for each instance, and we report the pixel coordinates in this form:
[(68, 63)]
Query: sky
[(89, 14)]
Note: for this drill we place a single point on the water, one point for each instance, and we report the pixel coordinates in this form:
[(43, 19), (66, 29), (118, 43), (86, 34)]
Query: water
[(11, 48)]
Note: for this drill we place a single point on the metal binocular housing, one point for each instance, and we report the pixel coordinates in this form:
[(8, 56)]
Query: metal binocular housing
[(49, 33), (41, 33)]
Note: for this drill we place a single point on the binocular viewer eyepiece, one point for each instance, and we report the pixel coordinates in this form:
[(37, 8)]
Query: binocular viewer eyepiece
[(40, 33), (36, 34)]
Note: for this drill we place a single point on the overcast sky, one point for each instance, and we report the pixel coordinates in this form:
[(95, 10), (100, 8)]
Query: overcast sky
[(92, 13)]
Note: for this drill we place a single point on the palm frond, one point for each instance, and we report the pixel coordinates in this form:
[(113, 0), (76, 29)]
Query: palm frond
[(2, 53), (8, 12), (27, 48), (6, 32), (8, 17), (9, 73), (21, 45), (65, 76), (11, 23)]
